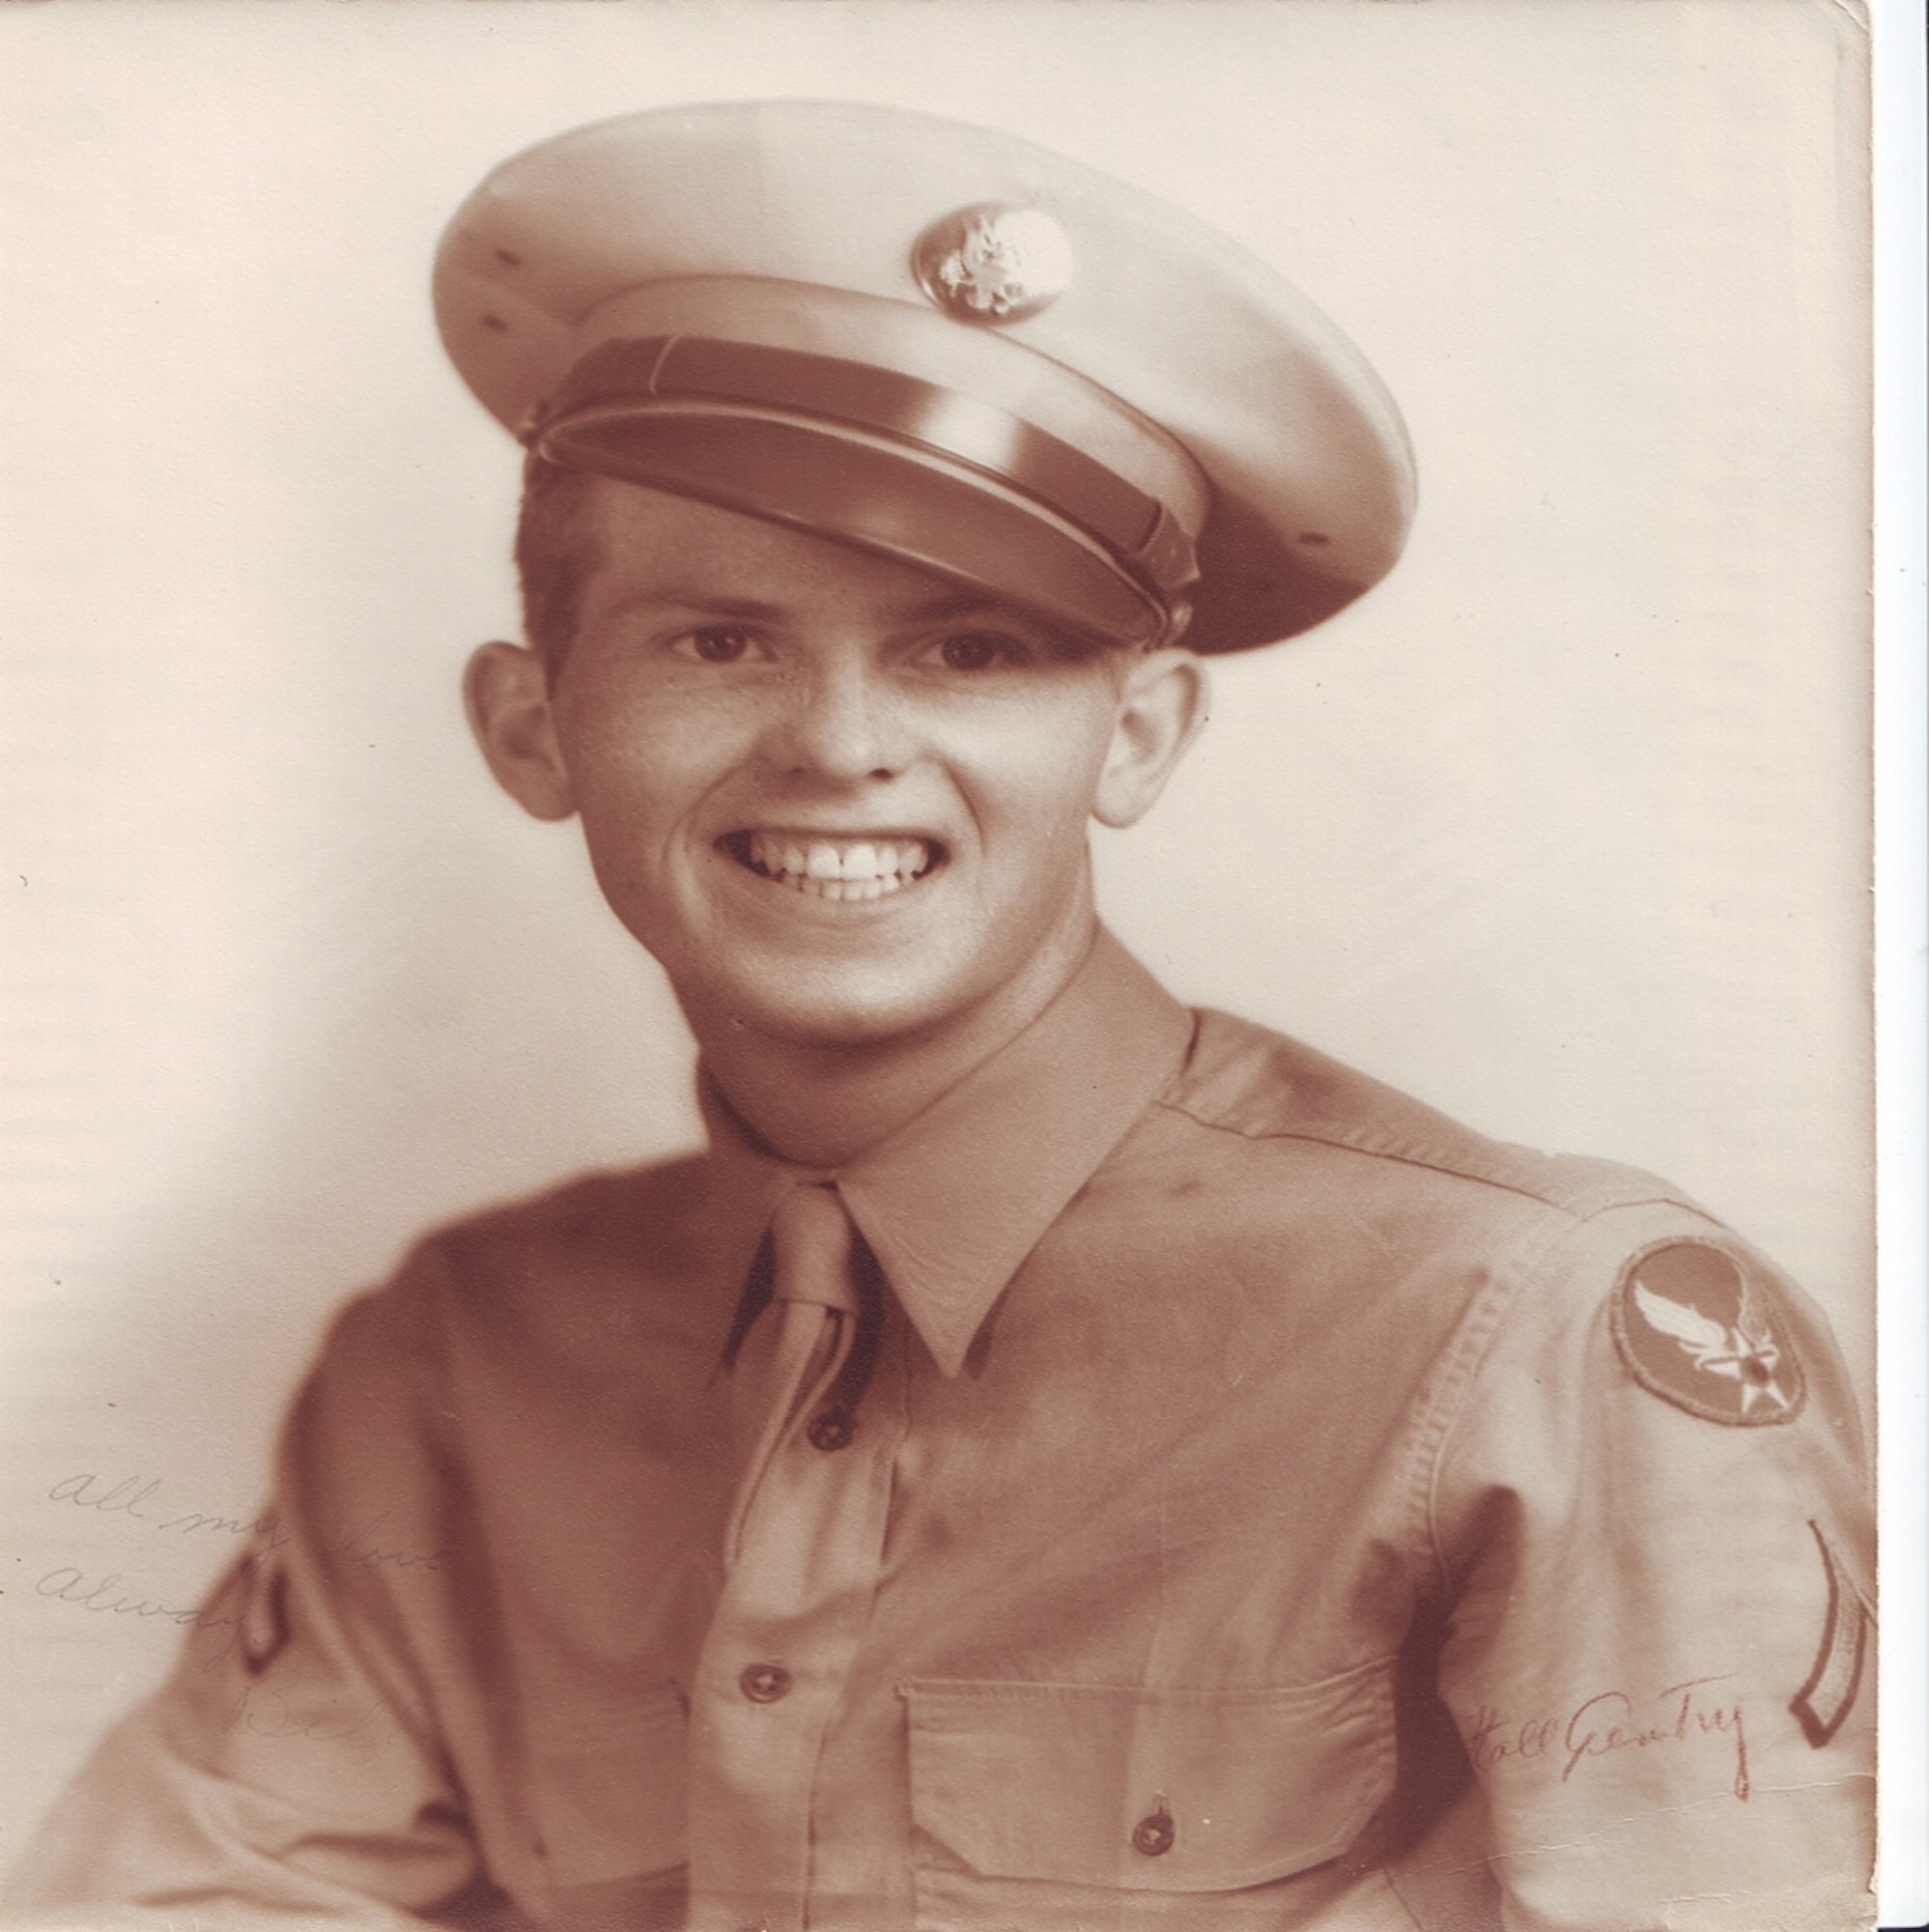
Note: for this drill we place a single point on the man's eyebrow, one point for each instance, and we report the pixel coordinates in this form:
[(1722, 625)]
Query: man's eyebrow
[(965, 603), (702, 602)]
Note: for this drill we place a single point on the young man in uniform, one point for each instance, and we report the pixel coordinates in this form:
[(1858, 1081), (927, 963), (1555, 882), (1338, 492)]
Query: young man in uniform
[(1056, 1460)]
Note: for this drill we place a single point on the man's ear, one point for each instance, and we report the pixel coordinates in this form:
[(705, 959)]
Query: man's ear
[(1162, 705), (506, 690)]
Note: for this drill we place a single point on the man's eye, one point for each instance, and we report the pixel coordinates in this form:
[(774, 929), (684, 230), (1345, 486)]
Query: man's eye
[(716, 644), (981, 650)]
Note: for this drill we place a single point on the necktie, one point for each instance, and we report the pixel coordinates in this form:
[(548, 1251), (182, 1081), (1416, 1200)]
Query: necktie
[(802, 1552), (798, 1346)]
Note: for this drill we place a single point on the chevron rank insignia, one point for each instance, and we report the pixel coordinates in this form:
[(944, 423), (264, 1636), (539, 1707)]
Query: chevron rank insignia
[(1829, 1695), (1697, 1329)]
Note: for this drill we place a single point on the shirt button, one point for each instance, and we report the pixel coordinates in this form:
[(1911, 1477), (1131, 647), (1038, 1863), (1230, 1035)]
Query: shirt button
[(1153, 1837), (764, 1683), (832, 1428)]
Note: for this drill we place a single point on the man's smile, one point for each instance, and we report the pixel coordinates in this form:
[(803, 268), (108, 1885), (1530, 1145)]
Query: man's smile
[(834, 869)]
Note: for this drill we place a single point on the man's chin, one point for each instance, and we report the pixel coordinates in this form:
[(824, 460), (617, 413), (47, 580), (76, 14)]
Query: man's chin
[(919, 992), (828, 1013)]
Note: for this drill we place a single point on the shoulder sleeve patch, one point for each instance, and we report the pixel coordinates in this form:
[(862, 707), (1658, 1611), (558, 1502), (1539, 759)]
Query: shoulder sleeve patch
[(1699, 1329)]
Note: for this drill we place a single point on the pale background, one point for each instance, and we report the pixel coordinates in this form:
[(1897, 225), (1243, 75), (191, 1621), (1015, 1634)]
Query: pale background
[(1563, 829)]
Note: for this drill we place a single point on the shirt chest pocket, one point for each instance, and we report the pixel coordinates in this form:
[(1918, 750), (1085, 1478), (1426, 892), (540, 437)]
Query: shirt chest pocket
[(1173, 1791)]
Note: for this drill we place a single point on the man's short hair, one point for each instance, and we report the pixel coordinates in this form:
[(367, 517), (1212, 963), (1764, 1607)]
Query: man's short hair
[(555, 550)]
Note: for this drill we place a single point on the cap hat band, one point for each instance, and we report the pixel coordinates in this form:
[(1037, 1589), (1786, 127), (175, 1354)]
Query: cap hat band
[(880, 458), (845, 325)]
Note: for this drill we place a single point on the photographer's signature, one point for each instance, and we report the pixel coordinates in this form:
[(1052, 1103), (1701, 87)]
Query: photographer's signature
[(1611, 1722)]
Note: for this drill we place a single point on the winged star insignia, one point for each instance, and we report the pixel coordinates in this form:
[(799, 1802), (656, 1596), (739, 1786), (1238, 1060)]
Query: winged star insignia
[(1745, 1351), (993, 261), (1694, 1328)]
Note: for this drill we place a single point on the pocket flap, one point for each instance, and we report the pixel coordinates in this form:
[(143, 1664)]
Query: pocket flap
[(1166, 1790)]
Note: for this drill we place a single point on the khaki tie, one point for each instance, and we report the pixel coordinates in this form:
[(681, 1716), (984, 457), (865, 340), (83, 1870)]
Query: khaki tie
[(803, 1550), (796, 1348)]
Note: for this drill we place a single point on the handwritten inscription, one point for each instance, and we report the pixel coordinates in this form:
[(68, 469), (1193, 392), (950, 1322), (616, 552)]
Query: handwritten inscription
[(109, 1593), (1612, 1722), (291, 1702), (139, 1498), (287, 1701), (107, 1596)]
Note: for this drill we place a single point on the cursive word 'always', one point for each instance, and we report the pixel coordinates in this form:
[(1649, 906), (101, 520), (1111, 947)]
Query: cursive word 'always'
[(105, 1596)]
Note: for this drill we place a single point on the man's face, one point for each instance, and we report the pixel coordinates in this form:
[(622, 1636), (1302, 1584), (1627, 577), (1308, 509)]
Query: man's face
[(841, 800)]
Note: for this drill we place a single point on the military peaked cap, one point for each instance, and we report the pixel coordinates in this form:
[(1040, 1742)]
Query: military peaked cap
[(939, 343)]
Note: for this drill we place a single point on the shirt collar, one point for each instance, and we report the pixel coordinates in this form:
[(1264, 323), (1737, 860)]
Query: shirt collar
[(956, 1199)]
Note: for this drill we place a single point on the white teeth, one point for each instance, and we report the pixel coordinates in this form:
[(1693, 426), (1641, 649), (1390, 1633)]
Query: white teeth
[(865, 868)]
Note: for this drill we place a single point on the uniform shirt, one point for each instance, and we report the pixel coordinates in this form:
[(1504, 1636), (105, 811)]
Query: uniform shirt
[(1271, 1505)]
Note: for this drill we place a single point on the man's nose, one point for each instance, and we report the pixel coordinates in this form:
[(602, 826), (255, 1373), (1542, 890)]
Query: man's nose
[(841, 719)]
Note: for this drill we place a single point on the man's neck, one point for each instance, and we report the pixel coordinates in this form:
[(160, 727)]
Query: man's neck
[(823, 1105)]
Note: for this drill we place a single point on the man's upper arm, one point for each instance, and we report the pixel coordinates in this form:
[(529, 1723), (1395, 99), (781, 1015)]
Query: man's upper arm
[(289, 1765), (1653, 1505)]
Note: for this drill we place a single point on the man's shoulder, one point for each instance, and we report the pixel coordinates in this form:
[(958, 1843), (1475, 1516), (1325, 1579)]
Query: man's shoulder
[(657, 1209), (1405, 1224), (579, 1256), (1269, 1089)]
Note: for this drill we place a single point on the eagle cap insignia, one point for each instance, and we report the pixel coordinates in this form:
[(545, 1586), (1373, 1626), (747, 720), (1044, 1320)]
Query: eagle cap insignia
[(1695, 1327), (993, 261)]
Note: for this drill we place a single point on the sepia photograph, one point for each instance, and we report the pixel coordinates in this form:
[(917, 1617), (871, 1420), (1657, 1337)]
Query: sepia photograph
[(938, 979)]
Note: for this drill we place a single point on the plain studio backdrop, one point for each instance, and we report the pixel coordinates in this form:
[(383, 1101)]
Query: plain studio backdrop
[(1563, 828)]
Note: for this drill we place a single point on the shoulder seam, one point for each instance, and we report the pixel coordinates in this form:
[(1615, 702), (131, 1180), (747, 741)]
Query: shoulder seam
[(1474, 1337), (1477, 1337), (1578, 1206)]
